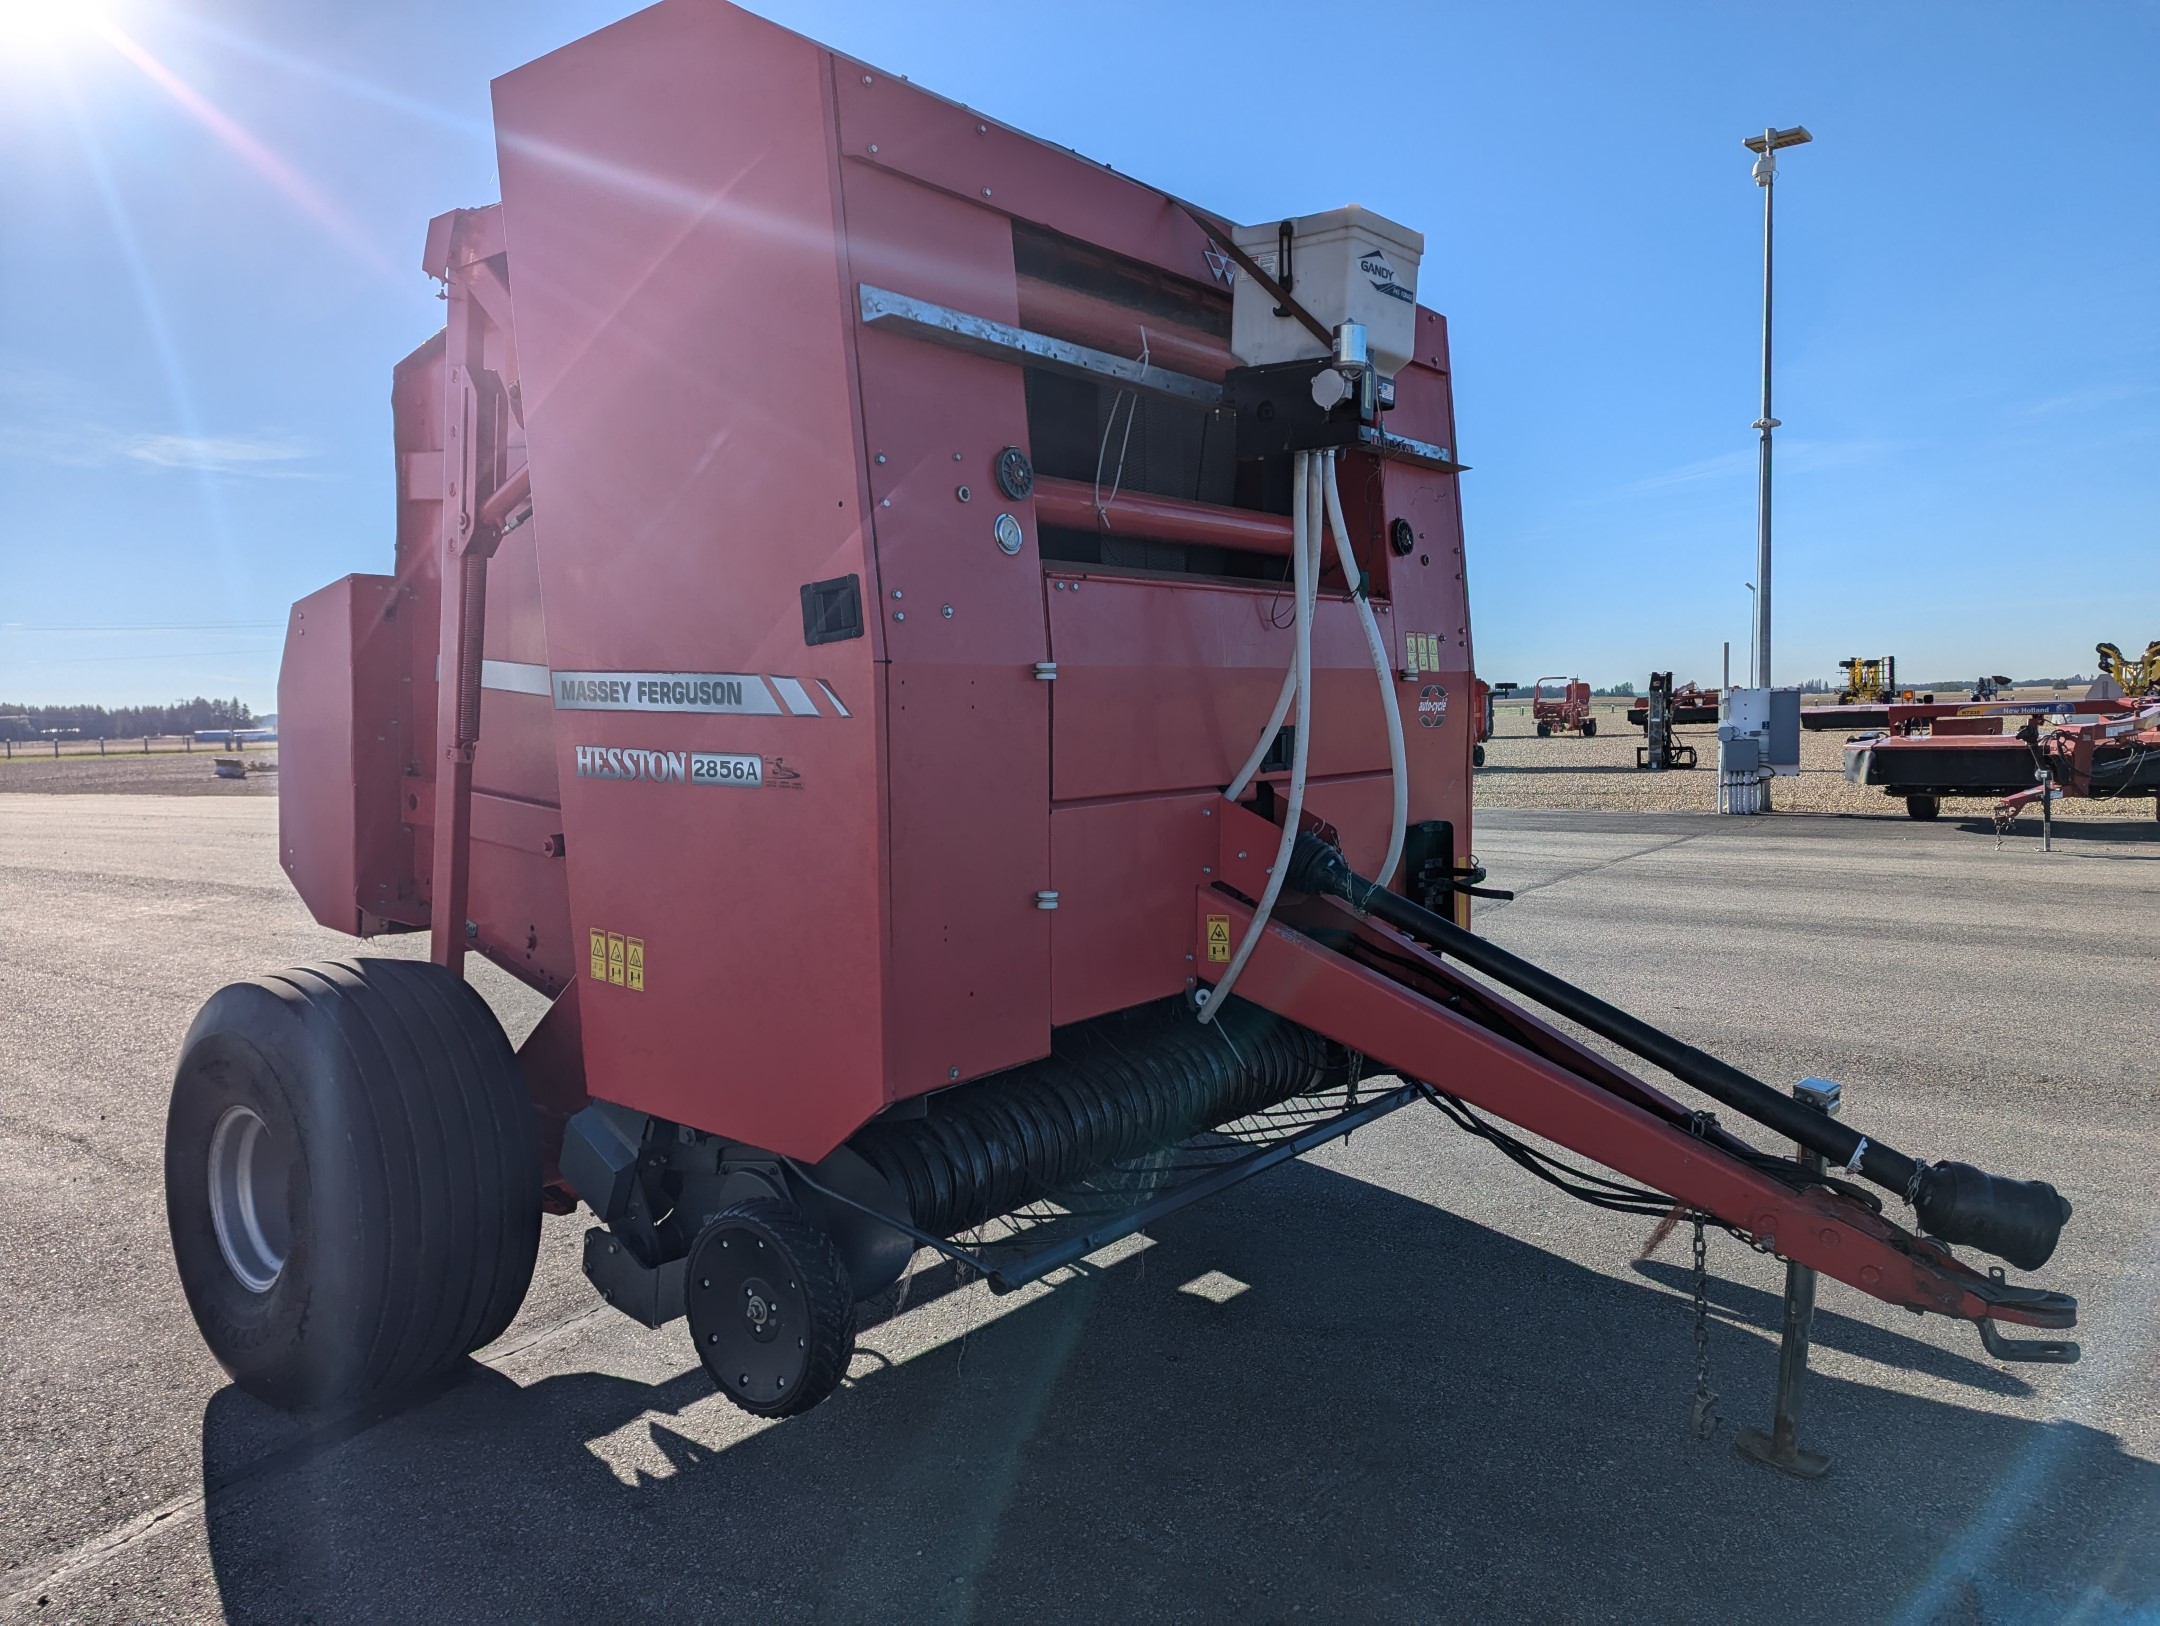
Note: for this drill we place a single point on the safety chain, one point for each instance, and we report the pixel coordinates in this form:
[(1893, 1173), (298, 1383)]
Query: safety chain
[(1702, 1416)]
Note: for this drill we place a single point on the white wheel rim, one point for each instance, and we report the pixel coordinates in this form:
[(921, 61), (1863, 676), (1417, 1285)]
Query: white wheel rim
[(250, 1176)]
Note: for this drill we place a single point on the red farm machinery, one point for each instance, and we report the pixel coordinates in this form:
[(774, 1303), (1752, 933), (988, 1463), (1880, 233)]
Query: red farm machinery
[(951, 669), (1689, 703), (1485, 694), (2101, 749), (1566, 710)]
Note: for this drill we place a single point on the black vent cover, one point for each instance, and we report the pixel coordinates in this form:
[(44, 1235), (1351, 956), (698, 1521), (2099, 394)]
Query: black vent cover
[(832, 610)]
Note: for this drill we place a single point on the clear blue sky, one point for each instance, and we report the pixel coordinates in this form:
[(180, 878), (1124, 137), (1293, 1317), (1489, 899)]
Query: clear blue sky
[(210, 223)]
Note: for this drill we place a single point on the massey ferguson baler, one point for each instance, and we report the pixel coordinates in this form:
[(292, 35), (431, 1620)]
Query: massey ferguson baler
[(951, 668)]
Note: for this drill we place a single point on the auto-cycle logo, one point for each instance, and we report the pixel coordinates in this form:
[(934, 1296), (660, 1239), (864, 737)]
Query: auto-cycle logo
[(1431, 706)]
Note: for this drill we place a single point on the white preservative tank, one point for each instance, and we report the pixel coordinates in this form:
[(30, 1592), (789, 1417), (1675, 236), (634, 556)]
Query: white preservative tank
[(1348, 265)]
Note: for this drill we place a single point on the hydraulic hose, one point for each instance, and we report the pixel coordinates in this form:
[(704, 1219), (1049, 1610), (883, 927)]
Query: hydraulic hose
[(2017, 1220), (1398, 769), (1309, 524), (1303, 588)]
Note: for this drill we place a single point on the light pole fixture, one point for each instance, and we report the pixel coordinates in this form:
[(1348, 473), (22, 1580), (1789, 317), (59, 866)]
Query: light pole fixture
[(1765, 147)]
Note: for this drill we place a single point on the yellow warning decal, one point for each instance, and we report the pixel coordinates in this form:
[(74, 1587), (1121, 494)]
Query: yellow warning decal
[(1422, 651), (617, 959), (1218, 939)]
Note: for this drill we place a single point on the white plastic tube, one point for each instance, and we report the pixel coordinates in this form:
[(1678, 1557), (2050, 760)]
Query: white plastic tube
[(1303, 589), (1398, 768), (1308, 507)]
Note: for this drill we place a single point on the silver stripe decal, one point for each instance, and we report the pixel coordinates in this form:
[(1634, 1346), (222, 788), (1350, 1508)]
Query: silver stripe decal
[(799, 703), (737, 694), (835, 699), (514, 677)]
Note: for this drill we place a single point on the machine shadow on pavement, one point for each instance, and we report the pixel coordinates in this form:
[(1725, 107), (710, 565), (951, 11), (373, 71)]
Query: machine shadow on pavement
[(1403, 1416)]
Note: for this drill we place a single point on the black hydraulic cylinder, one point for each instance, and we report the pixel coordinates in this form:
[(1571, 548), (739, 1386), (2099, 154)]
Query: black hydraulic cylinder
[(2016, 1220)]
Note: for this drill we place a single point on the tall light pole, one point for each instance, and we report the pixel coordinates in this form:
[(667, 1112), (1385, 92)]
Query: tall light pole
[(1765, 147)]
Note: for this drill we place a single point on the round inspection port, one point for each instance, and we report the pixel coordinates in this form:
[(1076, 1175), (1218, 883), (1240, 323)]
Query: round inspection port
[(1015, 474)]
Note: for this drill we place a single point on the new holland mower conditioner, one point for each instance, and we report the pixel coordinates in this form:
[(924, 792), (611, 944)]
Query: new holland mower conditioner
[(950, 667)]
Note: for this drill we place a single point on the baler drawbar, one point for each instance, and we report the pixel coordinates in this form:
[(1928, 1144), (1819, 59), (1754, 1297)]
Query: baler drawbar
[(896, 632)]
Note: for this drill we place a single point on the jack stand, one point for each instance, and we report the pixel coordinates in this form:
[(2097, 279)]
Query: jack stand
[(1780, 1448)]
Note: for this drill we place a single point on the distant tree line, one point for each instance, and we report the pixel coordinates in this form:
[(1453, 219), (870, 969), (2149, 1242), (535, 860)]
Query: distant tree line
[(124, 722)]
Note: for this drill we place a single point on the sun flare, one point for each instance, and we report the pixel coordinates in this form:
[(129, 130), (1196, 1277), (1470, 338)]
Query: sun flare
[(35, 31)]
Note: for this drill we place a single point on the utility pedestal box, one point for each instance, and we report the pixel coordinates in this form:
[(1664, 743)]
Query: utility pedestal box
[(1758, 738)]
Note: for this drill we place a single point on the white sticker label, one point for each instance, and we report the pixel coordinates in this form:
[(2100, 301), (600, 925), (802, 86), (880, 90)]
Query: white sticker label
[(726, 768)]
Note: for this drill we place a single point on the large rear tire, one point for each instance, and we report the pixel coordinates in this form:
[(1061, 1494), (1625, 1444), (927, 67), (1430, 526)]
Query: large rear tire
[(351, 1178)]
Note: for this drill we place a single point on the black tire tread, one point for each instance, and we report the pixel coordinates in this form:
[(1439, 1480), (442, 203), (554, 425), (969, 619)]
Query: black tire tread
[(414, 1072)]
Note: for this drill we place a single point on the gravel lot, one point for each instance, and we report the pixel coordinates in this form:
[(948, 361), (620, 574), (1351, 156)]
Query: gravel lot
[(1402, 1382), (1599, 775)]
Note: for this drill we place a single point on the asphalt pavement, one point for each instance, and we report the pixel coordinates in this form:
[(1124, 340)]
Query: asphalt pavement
[(1400, 1382)]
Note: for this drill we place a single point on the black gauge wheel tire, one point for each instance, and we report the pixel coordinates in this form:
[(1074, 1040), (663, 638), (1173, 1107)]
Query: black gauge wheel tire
[(771, 1308), (1589, 727), (352, 1179), (1544, 730), (1477, 760), (1923, 807)]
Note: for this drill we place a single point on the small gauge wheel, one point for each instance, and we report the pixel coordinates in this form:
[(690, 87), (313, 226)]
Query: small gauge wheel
[(771, 1309), (1015, 474)]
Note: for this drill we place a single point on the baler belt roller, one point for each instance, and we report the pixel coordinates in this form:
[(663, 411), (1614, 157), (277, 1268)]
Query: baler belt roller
[(1109, 1092), (1131, 1118), (1063, 1227)]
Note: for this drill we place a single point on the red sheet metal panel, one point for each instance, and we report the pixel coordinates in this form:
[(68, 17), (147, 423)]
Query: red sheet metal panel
[(339, 837), (886, 121), (1165, 684), (967, 720), (1124, 872), (669, 200)]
